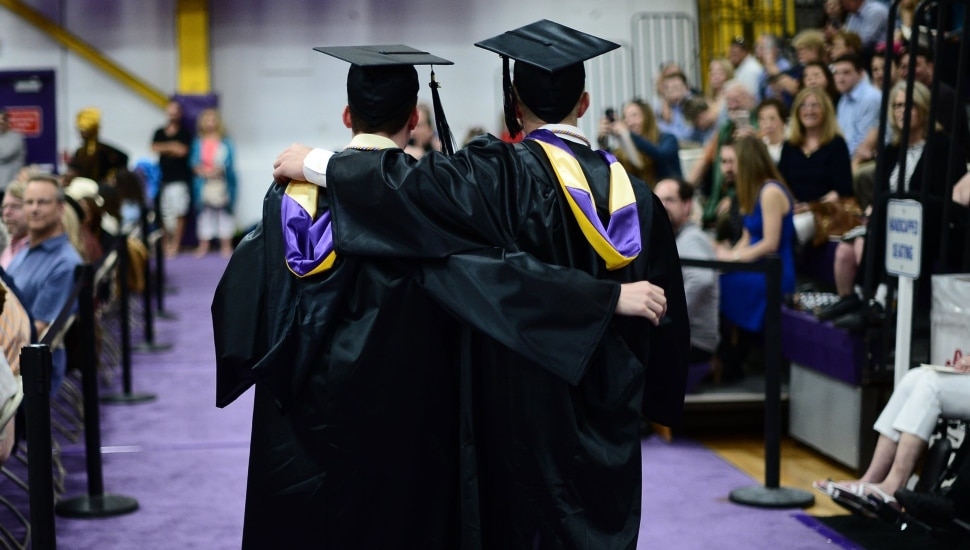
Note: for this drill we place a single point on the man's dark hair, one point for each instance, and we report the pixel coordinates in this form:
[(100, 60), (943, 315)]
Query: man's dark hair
[(778, 104), (681, 76), (684, 190), (924, 52), (390, 126), (855, 59)]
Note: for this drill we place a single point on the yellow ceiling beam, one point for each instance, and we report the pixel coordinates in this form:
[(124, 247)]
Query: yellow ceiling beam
[(192, 38), (85, 51)]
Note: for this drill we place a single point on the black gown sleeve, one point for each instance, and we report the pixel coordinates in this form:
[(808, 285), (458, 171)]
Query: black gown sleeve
[(666, 365), (237, 318), (553, 316)]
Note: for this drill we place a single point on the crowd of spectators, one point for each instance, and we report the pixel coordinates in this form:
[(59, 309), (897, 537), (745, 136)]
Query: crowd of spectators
[(54, 222), (814, 102)]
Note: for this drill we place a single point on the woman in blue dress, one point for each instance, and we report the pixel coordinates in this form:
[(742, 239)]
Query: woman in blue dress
[(767, 205)]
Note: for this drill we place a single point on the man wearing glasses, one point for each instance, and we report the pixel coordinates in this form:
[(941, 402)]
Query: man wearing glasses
[(43, 272)]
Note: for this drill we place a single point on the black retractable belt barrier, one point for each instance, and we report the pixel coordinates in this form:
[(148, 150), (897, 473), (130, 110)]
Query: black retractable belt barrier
[(35, 367), (128, 396), (771, 495), (95, 504), (149, 345)]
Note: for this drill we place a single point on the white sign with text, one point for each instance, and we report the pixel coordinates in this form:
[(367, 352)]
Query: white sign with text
[(904, 227)]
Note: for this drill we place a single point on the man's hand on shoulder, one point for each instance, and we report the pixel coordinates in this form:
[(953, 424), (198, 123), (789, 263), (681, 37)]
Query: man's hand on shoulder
[(289, 164), (642, 299)]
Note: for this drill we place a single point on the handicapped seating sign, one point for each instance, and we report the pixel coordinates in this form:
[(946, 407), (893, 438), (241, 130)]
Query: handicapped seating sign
[(904, 227)]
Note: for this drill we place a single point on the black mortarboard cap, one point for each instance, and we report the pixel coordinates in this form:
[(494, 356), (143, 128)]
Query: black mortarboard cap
[(549, 73), (382, 81)]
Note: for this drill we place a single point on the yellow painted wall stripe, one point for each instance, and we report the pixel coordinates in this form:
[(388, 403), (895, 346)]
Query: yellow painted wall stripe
[(85, 51), (192, 38)]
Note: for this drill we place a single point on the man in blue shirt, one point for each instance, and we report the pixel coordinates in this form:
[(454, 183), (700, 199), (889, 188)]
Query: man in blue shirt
[(858, 109), (868, 19), (44, 271)]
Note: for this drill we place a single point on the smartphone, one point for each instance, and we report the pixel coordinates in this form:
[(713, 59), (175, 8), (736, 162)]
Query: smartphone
[(610, 115)]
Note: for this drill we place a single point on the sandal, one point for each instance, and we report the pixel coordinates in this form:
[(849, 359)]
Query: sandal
[(866, 499)]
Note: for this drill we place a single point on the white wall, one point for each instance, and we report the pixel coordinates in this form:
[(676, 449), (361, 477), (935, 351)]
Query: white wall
[(274, 89)]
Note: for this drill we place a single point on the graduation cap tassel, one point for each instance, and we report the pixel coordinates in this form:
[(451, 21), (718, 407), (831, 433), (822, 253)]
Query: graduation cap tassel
[(511, 122), (444, 131)]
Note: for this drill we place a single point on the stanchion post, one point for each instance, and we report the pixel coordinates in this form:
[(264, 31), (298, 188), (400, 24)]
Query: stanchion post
[(95, 504), (124, 296), (160, 271), (149, 345), (35, 366), (772, 495)]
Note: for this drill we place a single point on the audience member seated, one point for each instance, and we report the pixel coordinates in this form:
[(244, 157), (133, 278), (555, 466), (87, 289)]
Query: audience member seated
[(131, 198), (904, 427), (809, 48), (767, 205), (700, 284), (727, 222), (858, 108), (14, 220), (639, 145), (719, 73), (705, 174), (945, 97), (877, 65), (678, 109), (11, 394), (867, 18), (817, 75), (848, 255), (747, 70), (815, 159), (43, 273), (772, 117), (768, 52), (833, 18), (864, 158), (14, 335), (845, 43)]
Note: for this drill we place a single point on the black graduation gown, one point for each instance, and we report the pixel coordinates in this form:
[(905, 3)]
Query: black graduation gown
[(557, 458), (355, 423)]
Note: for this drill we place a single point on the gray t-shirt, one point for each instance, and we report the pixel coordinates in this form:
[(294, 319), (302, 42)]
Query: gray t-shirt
[(701, 287)]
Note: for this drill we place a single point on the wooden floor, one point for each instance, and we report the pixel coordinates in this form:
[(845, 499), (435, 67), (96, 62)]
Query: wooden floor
[(800, 465)]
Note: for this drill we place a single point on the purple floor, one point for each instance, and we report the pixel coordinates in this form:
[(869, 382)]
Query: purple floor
[(184, 460)]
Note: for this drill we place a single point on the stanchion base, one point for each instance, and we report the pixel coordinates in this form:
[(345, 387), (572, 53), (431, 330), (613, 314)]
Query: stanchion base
[(127, 398), (151, 347), (87, 506), (780, 497), (166, 315)]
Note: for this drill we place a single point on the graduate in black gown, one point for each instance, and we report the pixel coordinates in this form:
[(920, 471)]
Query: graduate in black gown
[(550, 461), (355, 440)]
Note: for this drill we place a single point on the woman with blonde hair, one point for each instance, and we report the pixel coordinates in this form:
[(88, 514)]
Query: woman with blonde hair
[(640, 146), (767, 206), (211, 158), (720, 71), (815, 160), (849, 255)]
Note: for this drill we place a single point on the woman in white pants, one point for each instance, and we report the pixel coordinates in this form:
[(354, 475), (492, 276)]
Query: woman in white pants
[(905, 426)]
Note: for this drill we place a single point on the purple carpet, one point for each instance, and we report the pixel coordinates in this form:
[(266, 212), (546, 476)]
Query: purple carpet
[(185, 461)]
